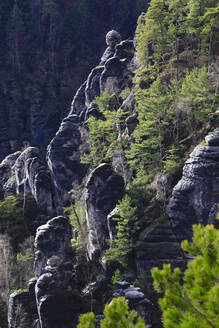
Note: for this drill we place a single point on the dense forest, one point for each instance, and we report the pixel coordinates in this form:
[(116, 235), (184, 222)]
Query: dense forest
[(133, 165)]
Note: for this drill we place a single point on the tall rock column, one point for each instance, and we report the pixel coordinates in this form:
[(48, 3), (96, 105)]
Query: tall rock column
[(57, 300), (64, 160), (104, 189), (195, 198)]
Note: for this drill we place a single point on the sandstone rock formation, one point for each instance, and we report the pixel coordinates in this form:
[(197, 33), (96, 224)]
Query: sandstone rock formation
[(55, 275), (64, 160), (7, 173), (24, 172), (195, 197), (104, 189), (112, 75)]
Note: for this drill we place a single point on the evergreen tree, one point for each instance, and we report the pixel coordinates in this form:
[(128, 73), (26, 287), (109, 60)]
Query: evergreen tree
[(126, 226), (194, 302), (116, 315), (147, 150)]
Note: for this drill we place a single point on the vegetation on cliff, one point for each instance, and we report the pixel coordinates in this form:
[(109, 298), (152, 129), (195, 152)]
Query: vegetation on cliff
[(176, 94), (47, 49)]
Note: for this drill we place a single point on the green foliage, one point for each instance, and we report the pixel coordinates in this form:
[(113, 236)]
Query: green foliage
[(86, 320), (127, 226), (12, 220), (169, 112), (170, 26), (199, 98), (104, 133), (22, 266), (117, 276), (116, 315), (193, 303), (77, 215), (172, 161)]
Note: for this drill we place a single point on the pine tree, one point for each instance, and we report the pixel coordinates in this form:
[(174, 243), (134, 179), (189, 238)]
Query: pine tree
[(194, 302), (126, 226), (116, 314)]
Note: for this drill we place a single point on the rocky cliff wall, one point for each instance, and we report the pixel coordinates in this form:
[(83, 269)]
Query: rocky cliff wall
[(194, 200)]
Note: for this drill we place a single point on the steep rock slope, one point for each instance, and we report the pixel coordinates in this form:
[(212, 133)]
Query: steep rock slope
[(195, 197), (155, 244)]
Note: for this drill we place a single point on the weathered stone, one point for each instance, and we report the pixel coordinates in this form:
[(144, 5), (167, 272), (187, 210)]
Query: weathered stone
[(7, 175), (23, 172), (19, 311), (134, 295), (111, 224), (78, 103), (195, 197), (112, 39), (54, 269), (212, 139), (125, 50), (92, 89), (52, 239), (157, 245), (104, 189), (32, 177), (64, 160)]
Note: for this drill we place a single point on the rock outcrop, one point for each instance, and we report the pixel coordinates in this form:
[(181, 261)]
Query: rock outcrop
[(19, 310), (103, 190), (55, 275), (113, 74), (64, 160), (7, 175), (23, 172), (156, 245), (195, 197), (136, 300)]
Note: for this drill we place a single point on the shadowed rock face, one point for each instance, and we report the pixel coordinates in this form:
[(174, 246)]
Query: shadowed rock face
[(104, 189), (57, 301), (52, 239), (19, 310), (195, 197), (7, 175), (64, 159), (23, 172), (111, 75)]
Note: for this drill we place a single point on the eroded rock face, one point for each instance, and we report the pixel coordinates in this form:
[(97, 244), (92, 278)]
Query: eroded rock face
[(64, 160), (112, 75), (23, 172), (57, 301), (19, 311), (7, 175), (195, 197), (156, 245), (104, 189), (112, 39)]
